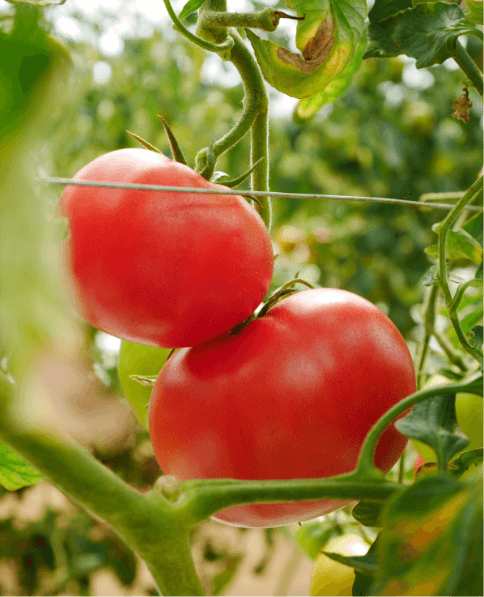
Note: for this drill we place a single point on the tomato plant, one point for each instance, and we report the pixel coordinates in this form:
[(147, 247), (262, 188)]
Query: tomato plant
[(468, 410), (164, 269), (292, 395), (334, 578)]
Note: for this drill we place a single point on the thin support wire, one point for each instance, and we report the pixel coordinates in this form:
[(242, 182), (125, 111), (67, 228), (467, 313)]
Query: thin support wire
[(273, 194)]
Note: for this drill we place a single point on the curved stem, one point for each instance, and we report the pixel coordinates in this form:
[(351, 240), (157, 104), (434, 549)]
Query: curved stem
[(366, 459), (442, 229), (469, 67), (147, 523), (255, 117), (202, 43)]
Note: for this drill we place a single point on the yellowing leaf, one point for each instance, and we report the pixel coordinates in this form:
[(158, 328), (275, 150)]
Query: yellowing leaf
[(327, 38)]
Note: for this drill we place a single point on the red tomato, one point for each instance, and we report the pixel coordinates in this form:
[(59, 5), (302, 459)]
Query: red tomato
[(292, 395), (164, 269)]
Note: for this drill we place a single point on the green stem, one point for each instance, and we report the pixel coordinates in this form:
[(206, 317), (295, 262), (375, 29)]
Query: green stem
[(453, 356), (199, 500), (429, 321), (147, 523), (202, 43), (249, 113), (266, 19), (468, 65), (441, 230), (255, 116), (366, 459)]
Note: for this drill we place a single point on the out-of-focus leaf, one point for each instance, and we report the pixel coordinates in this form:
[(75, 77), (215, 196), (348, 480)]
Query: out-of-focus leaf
[(38, 3), (474, 227), (15, 472), (460, 245), (313, 536), (474, 13), (433, 422), (307, 107), (431, 541), (368, 513), (363, 580), (327, 37), (477, 333)]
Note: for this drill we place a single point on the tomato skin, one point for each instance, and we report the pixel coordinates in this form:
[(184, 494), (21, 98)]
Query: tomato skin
[(292, 395), (163, 269)]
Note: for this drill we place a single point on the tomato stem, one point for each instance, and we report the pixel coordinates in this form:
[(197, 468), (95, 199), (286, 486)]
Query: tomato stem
[(366, 463), (145, 522), (442, 229)]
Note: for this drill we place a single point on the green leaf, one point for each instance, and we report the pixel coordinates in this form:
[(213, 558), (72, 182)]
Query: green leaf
[(466, 461), (431, 541), (174, 146), (307, 107), (362, 564), (368, 513), (313, 536), (327, 37), (363, 581), (15, 472), (428, 31), (190, 6), (460, 245), (380, 44), (474, 13), (474, 227), (433, 422), (477, 332)]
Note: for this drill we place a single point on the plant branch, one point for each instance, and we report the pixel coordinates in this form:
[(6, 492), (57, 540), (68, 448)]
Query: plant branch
[(202, 43), (441, 230), (145, 522), (201, 499), (366, 459), (469, 67)]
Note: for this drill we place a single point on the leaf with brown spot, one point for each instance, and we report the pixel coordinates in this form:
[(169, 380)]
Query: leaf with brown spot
[(327, 38)]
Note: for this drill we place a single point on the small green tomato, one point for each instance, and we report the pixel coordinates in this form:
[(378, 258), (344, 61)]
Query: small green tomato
[(138, 359)]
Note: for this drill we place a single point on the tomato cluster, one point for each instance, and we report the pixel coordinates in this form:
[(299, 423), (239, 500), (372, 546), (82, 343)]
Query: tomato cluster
[(290, 394)]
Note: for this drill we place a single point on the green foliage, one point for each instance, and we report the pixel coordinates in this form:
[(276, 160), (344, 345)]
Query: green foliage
[(433, 422), (427, 32), (15, 472)]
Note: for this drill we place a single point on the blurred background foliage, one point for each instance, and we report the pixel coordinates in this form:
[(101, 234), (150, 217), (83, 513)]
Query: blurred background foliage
[(390, 135)]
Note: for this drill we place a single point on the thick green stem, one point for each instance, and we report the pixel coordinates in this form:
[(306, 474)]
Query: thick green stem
[(266, 19), (441, 230), (201, 499), (469, 67), (147, 523), (366, 459)]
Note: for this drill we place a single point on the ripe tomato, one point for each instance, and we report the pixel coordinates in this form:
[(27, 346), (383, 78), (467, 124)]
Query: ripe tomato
[(333, 578), (164, 269), (139, 359), (292, 395)]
